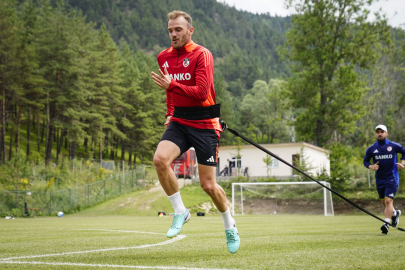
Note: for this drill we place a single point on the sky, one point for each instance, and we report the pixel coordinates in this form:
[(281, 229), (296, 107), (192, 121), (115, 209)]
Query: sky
[(394, 9)]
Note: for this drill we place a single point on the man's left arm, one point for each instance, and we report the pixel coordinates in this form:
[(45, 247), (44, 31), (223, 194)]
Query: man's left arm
[(203, 79), (203, 76), (401, 150)]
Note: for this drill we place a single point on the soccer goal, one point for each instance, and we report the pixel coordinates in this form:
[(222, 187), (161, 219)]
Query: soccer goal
[(268, 198)]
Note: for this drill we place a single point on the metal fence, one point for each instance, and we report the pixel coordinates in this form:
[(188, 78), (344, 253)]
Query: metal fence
[(34, 203)]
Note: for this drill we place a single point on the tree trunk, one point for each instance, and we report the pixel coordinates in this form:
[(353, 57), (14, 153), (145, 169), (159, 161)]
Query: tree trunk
[(28, 131), (42, 131), (86, 141), (3, 121), (129, 159), (57, 144), (123, 150), (60, 142), (319, 140), (94, 150), (38, 137), (116, 148), (100, 147), (10, 150), (48, 147), (49, 136), (73, 147), (17, 141)]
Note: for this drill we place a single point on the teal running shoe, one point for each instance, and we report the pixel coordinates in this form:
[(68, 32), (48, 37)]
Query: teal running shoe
[(178, 222), (232, 239)]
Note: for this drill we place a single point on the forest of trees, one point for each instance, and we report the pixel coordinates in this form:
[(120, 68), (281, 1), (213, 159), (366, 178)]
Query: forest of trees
[(72, 84), (76, 73)]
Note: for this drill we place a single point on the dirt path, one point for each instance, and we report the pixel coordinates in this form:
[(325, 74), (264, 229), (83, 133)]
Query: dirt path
[(157, 188)]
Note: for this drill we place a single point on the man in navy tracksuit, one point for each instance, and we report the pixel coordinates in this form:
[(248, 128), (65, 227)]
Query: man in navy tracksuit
[(386, 165)]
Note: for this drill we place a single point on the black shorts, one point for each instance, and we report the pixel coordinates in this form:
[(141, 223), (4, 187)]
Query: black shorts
[(204, 141), (387, 191)]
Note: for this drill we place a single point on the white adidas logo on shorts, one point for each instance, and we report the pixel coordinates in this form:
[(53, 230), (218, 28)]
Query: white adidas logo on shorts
[(211, 159)]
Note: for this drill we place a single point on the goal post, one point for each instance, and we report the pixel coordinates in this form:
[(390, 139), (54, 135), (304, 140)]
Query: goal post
[(281, 197)]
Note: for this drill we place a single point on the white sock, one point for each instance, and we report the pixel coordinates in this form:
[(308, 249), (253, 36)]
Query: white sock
[(178, 205), (394, 213), (227, 219), (387, 220)]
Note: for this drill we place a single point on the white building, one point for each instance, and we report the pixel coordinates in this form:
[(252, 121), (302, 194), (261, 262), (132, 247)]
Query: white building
[(252, 158)]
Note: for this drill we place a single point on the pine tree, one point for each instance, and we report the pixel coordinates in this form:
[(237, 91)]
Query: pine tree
[(9, 36), (107, 92)]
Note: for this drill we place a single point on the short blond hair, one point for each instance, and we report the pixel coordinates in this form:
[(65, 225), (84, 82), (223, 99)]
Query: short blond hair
[(177, 13)]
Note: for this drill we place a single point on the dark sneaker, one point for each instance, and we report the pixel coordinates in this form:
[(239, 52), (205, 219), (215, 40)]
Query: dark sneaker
[(395, 220), (385, 228)]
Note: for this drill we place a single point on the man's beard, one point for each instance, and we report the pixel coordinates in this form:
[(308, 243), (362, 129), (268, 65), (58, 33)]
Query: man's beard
[(381, 138), (183, 41)]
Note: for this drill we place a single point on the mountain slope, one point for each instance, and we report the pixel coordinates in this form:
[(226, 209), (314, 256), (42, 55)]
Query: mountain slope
[(244, 45)]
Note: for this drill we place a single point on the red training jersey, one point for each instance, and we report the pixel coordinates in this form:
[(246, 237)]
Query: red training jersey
[(191, 69)]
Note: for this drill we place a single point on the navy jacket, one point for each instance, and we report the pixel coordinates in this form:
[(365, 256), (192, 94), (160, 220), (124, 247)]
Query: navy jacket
[(385, 153)]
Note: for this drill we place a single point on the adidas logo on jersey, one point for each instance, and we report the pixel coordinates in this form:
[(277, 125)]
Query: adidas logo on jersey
[(211, 159), (165, 65), (376, 151), (391, 195)]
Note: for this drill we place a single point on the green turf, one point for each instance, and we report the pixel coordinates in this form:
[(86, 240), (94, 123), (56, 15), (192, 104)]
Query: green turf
[(268, 242)]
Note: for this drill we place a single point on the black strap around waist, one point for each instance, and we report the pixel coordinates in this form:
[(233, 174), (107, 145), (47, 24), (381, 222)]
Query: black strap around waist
[(197, 113)]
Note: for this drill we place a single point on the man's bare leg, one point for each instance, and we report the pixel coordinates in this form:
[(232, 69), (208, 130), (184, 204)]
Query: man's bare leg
[(217, 194), (165, 153), (210, 186), (389, 208)]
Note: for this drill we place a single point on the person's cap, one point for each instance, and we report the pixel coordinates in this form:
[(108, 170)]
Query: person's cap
[(381, 127)]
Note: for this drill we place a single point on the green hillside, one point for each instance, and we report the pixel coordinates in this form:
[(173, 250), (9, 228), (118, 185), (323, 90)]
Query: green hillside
[(244, 45), (150, 202)]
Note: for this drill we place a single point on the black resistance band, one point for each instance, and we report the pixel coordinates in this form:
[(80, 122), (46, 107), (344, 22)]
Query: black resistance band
[(234, 132)]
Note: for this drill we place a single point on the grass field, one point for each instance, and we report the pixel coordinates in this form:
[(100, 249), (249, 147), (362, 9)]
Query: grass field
[(267, 242)]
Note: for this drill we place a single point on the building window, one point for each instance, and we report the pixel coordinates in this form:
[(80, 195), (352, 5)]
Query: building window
[(274, 163)]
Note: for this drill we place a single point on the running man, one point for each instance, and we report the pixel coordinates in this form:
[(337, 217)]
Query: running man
[(186, 73), (386, 165)]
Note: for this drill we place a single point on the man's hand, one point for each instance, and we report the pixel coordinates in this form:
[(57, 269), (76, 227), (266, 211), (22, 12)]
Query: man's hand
[(163, 81), (400, 166), (168, 121), (374, 167)]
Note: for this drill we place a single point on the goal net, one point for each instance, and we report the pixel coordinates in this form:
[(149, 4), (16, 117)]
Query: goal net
[(268, 198)]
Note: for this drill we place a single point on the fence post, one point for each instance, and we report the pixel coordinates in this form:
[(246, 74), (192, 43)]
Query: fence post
[(70, 196), (88, 194)]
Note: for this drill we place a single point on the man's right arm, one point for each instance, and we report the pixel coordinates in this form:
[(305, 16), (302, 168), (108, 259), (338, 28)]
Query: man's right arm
[(367, 158)]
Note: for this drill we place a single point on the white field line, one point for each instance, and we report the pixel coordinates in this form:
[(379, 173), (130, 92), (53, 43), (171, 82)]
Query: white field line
[(122, 231), (115, 265), (177, 238)]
